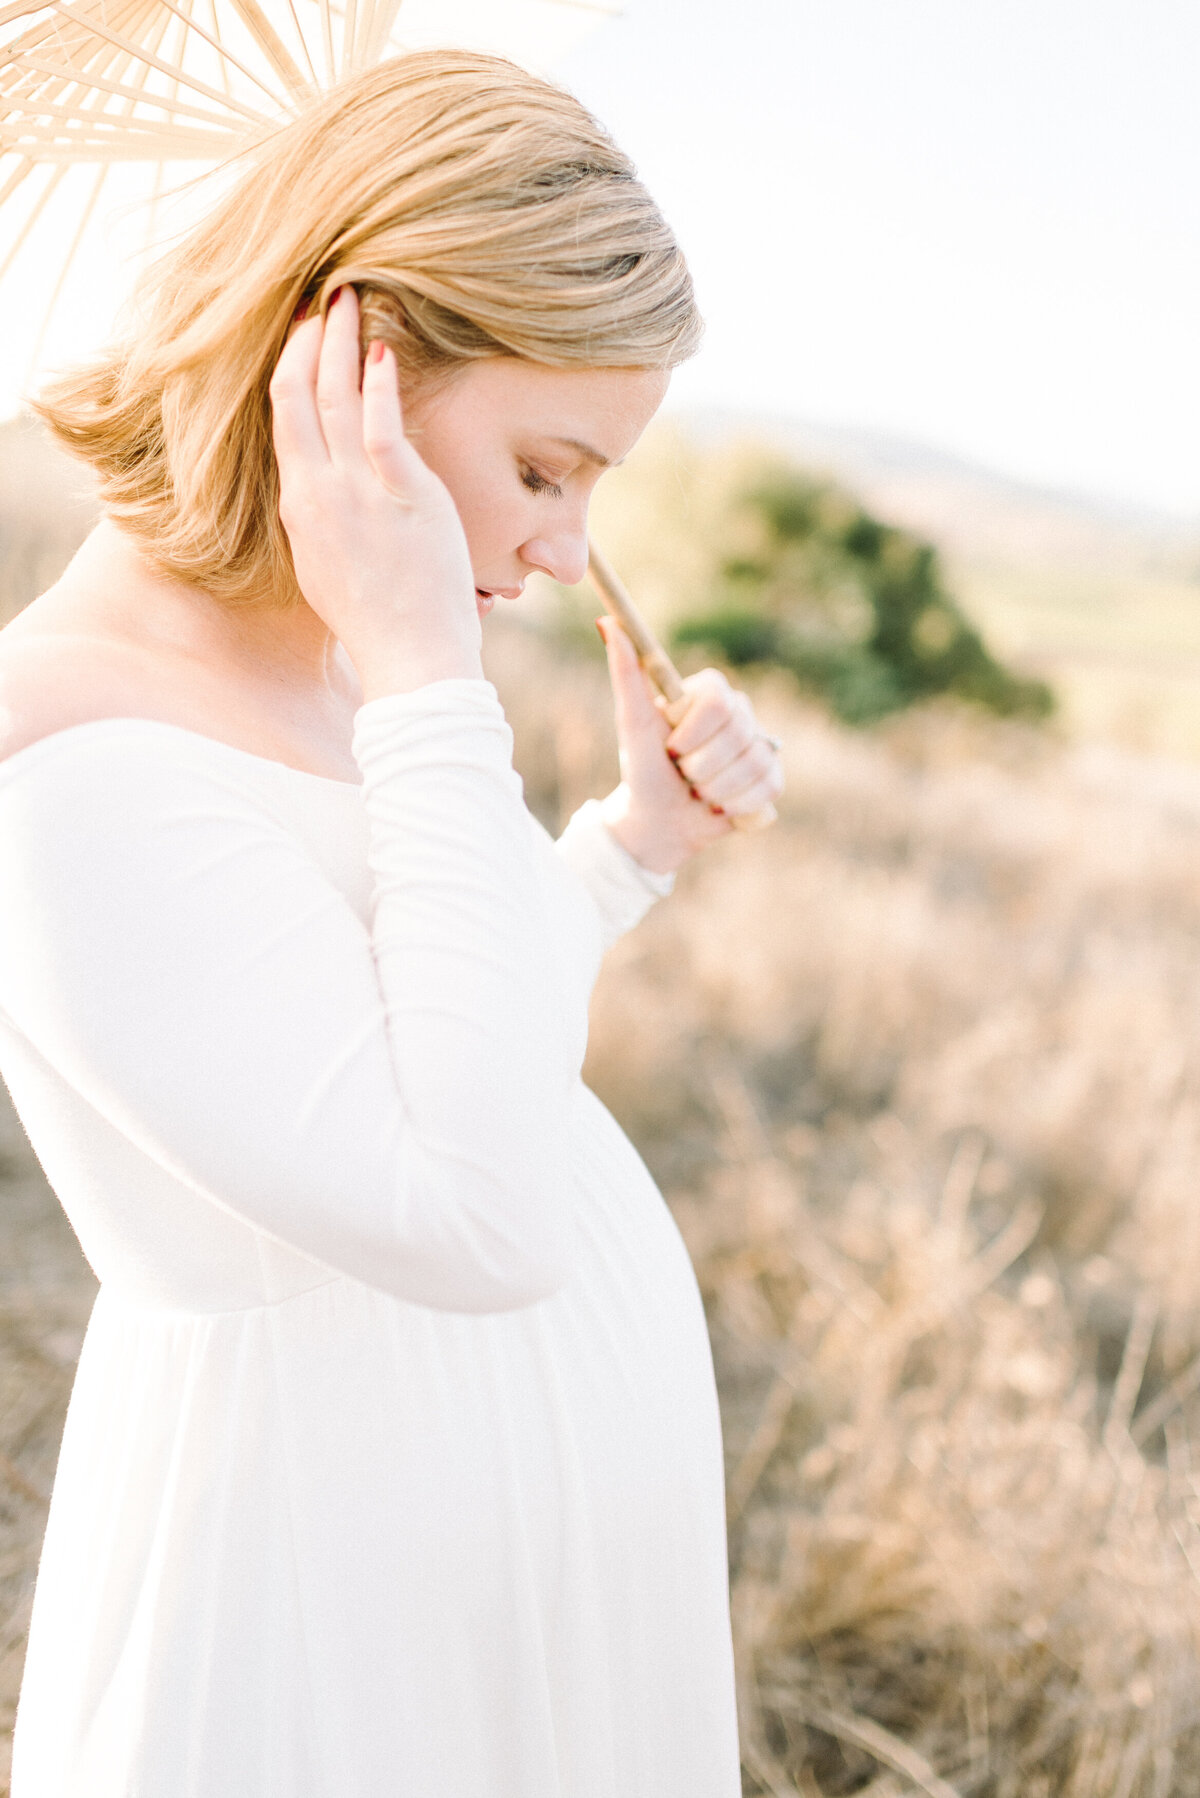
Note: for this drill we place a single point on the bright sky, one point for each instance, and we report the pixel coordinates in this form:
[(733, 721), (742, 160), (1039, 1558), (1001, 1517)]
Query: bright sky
[(974, 223)]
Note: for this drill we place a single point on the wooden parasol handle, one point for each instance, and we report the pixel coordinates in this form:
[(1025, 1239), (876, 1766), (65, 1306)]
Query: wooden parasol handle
[(656, 662)]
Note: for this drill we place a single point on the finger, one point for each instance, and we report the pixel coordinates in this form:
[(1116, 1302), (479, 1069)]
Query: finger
[(295, 426), (730, 740), (339, 395), (388, 450), (711, 703), (382, 414), (746, 782), (638, 720)]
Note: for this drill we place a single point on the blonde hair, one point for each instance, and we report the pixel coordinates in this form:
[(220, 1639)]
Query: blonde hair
[(478, 210)]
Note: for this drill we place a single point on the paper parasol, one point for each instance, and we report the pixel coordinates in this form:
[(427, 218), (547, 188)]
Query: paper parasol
[(94, 92), (107, 106)]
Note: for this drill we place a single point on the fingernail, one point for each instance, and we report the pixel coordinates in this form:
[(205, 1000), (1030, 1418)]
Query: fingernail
[(603, 634), (375, 352), (301, 312), (718, 811), (674, 755), (694, 791)]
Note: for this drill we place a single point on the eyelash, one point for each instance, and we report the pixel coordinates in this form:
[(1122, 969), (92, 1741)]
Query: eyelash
[(537, 483)]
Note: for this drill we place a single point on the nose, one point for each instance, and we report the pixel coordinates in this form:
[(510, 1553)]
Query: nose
[(564, 557)]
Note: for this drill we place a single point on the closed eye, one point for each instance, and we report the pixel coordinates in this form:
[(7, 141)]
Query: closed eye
[(538, 483)]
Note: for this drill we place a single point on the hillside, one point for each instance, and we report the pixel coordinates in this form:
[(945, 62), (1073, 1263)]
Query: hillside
[(1102, 601)]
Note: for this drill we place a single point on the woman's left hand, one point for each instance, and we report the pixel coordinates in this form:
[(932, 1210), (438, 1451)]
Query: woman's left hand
[(681, 785)]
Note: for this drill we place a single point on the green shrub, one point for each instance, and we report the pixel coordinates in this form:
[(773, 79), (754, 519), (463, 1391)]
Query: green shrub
[(854, 608)]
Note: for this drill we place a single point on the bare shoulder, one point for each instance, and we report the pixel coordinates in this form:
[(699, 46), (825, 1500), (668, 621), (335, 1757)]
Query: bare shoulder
[(114, 639), (88, 648), (52, 679), (67, 662)]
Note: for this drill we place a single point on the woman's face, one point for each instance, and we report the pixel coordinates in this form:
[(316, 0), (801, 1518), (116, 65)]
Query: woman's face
[(520, 447)]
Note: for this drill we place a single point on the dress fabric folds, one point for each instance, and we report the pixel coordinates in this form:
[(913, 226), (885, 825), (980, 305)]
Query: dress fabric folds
[(393, 1465)]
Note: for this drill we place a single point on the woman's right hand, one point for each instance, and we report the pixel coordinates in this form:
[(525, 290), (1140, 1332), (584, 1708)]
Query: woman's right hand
[(377, 544)]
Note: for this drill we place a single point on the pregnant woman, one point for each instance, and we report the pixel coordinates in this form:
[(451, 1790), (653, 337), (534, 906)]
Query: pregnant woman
[(392, 1468)]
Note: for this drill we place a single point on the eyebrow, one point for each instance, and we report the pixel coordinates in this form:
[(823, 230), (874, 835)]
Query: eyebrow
[(587, 452)]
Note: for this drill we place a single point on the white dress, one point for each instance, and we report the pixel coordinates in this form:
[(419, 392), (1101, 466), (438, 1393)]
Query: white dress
[(393, 1465)]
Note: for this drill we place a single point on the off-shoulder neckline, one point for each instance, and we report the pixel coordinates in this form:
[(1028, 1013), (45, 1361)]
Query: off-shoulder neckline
[(31, 751)]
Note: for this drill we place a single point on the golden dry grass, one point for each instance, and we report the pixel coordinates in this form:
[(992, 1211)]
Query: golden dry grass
[(918, 1071), (46, 1291)]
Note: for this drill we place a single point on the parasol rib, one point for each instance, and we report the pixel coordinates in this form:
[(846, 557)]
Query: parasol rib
[(35, 213), (383, 20), (23, 169), (228, 56), (273, 48), (143, 56), (388, 9), (102, 173), (89, 207), (300, 38), (89, 62), (327, 40), (154, 145), (20, 10), (120, 90), (88, 55), (95, 115), (226, 84)]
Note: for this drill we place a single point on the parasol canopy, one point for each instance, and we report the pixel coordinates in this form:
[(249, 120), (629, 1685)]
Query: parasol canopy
[(110, 109)]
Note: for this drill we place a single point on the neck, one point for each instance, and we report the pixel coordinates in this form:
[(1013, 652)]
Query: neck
[(286, 645)]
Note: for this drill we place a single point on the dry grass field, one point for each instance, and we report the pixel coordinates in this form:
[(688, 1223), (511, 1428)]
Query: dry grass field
[(46, 1291), (919, 1071)]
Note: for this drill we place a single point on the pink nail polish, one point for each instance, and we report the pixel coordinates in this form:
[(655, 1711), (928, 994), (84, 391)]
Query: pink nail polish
[(375, 352)]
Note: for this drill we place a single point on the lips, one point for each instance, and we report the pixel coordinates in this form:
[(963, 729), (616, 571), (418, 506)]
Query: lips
[(486, 597)]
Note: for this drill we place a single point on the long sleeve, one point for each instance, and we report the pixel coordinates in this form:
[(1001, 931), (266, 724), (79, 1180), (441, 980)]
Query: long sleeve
[(623, 891), (391, 1101)]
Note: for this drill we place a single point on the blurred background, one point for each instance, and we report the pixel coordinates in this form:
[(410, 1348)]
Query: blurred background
[(919, 1069)]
